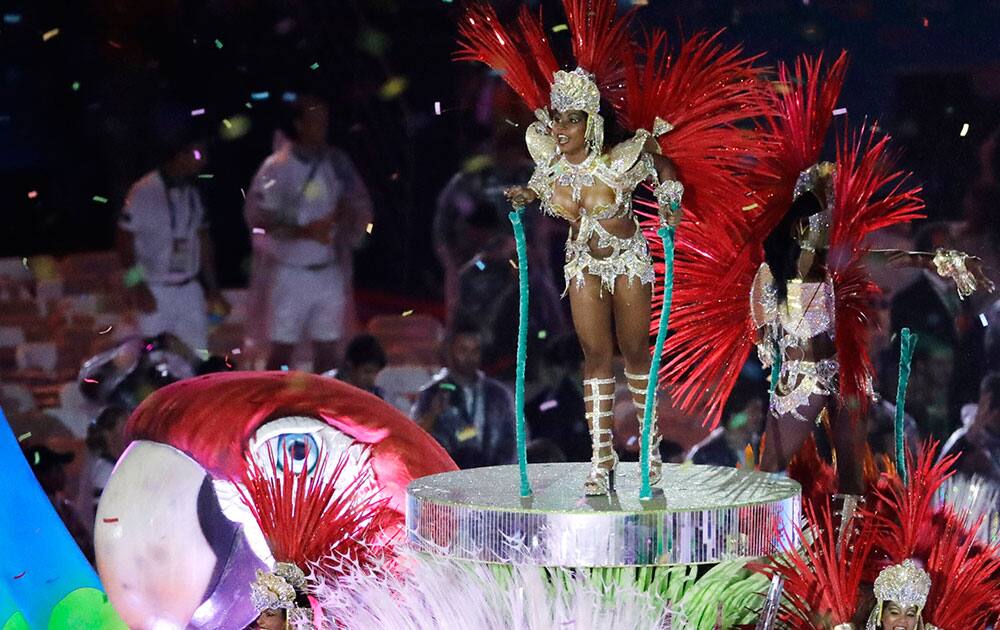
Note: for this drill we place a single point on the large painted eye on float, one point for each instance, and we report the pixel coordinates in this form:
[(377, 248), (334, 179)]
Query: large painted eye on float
[(295, 451)]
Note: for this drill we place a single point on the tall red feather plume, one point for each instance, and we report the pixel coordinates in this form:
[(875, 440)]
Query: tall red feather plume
[(870, 194), (705, 90), (533, 34), (903, 514), (821, 581), (316, 519), (965, 585), (601, 40), (483, 38)]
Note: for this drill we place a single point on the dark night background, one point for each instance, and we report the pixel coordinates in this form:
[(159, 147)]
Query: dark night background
[(78, 110)]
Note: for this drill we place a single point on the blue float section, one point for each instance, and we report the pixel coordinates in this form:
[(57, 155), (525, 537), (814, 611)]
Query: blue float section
[(40, 564)]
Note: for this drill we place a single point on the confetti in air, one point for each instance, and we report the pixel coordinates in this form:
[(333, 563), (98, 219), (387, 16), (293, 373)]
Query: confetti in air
[(260, 96), (198, 112), (393, 88), (24, 436), (927, 22), (32, 194), (12, 18), (965, 130), (840, 111), (558, 28), (749, 208), (100, 199), (542, 334), (437, 108), (105, 331), (408, 313), (480, 265), (110, 520), (369, 228), (983, 320), (50, 34), (548, 404), (258, 231), (197, 154), (76, 86), (512, 263), (314, 66), (218, 44)]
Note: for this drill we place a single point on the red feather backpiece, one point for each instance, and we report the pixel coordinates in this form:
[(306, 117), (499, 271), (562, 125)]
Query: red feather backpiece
[(601, 42), (483, 38), (318, 519), (965, 583), (718, 252), (870, 194)]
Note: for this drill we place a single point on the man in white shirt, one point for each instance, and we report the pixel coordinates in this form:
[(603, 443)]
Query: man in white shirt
[(309, 209), (165, 246)]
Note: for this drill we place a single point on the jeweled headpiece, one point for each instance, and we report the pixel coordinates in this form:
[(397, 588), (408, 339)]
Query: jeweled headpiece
[(905, 583), (815, 179), (575, 90), (277, 590)]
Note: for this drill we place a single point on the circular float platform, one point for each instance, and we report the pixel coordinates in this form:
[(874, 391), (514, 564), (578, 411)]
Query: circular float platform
[(698, 514)]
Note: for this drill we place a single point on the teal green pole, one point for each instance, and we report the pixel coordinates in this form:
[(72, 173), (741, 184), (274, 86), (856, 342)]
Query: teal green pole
[(906, 345), (522, 347), (666, 234)]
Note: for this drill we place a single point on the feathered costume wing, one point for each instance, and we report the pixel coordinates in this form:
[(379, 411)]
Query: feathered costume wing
[(718, 253)]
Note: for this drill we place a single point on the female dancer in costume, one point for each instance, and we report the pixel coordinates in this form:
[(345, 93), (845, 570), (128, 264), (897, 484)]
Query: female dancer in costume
[(788, 274), (583, 177)]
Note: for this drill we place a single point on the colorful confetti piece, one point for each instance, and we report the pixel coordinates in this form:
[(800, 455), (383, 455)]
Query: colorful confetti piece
[(840, 111), (32, 194), (542, 334), (11, 18), (260, 96), (20, 575), (105, 331), (437, 108), (392, 88), (218, 44), (369, 228), (314, 66), (512, 263), (749, 208), (258, 230), (49, 34), (548, 404), (100, 199), (110, 520), (965, 130), (480, 265), (24, 436), (558, 28), (198, 112), (408, 313), (75, 86), (448, 387)]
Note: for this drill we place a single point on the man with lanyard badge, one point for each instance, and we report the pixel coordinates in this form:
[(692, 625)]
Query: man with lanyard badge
[(310, 208), (164, 243)]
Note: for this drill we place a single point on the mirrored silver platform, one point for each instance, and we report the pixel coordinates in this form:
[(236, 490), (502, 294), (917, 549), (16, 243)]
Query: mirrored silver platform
[(698, 514)]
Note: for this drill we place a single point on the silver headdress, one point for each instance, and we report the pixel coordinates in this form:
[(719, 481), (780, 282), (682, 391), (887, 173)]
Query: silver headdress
[(577, 90), (906, 584), (277, 590)]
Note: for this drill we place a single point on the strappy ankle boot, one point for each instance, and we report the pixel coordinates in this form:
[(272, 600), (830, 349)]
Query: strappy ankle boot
[(637, 387), (599, 397)]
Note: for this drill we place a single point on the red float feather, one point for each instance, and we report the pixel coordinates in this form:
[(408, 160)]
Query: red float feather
[(822, 578), (317, 519), (965, 583)]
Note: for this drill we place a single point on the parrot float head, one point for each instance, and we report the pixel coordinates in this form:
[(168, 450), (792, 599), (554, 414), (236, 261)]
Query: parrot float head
[(177, 541)]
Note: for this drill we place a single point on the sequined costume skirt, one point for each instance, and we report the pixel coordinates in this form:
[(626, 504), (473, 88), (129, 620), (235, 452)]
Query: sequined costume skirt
[(801, 379), (629, 257)]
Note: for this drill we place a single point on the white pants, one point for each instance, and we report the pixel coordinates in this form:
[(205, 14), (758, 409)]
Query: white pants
[(180, 311), (305, 302)]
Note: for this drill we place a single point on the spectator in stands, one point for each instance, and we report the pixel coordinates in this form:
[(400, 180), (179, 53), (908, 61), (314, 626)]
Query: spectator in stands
[(742, 422), (363, 360), (105, 444), (166, 249), (470, 414), (50, 469), (979, 443), (312, 207)]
